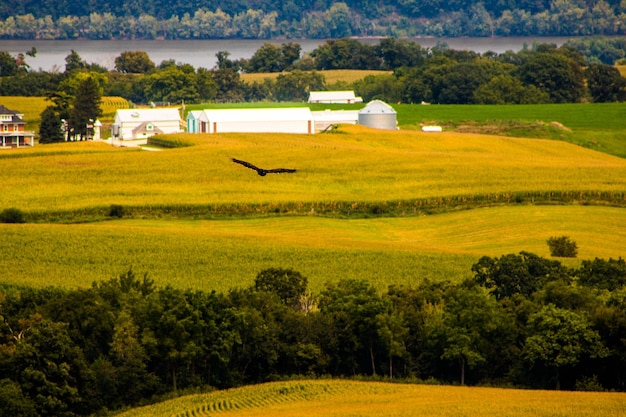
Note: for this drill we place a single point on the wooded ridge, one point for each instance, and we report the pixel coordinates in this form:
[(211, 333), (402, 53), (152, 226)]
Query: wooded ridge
[(307, 19)]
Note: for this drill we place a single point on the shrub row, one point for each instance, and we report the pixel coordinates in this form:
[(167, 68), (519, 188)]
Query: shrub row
[(363, 209)]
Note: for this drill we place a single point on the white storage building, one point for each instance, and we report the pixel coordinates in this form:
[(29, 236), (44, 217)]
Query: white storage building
[(133, 124), (341, 97), (263, 120)]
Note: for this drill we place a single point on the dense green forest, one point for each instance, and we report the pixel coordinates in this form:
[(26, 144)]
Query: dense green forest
[(257, 19), (522, 321)]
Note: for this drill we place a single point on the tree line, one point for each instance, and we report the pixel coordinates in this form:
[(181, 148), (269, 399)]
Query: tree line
[(522, 321), (37, 19), (579, 70)]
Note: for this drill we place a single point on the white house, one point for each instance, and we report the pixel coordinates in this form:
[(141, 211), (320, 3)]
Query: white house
[(326, 118), (341, 97), (262, 120), (133, 124)]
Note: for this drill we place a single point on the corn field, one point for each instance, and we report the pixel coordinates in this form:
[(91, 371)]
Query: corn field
[(377, 399)]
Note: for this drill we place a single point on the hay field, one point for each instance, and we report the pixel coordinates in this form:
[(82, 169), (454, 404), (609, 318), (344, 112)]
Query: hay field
[(195, 219), (359, 166), (224, 254), (330, 76), (329, 398)]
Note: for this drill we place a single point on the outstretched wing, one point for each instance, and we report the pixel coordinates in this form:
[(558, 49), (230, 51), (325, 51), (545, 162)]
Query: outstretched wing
[(246, 164), (280, 171)]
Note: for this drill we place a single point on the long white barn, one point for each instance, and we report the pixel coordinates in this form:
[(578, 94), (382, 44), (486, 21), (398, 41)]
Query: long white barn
[(342, 97), (268, 120)]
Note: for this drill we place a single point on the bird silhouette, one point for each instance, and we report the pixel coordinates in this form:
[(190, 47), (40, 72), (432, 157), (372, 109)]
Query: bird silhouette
[(262, 172)]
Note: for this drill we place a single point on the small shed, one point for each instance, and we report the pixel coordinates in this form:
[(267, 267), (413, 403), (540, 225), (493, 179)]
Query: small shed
[(262, 120), (195, 122), (326, 118), (133, 124), (340, 97), (379, 115)]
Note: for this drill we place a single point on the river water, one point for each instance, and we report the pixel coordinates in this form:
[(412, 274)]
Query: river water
[(201, 53)]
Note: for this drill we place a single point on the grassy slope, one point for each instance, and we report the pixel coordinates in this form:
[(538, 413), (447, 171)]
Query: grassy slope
[(329, 398), (357, 166), (362, 165), (222, 254), (599, 126)]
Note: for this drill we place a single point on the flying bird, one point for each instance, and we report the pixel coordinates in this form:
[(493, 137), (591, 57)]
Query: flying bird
[(262, 172)]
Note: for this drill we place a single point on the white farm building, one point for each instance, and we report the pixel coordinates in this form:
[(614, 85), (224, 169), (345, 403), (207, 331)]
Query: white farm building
[(341, 97), (265, 120), (327, 118), (133, 124)]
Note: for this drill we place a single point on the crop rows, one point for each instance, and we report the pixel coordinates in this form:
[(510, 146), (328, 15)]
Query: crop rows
[(340, 398)]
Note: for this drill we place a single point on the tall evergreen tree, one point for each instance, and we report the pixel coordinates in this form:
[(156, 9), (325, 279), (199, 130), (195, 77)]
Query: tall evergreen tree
[(50, 128), (86, 108)]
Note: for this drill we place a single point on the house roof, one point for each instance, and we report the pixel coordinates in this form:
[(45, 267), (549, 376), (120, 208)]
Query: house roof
[(147, 115), (194, 114), (4, 110), (17, 117), (257, 115)]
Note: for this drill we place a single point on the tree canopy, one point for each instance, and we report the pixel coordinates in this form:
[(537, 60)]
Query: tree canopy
[(524, 321)]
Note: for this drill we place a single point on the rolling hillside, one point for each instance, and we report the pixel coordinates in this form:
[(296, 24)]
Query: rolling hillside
[(357, 207), (374, 399)]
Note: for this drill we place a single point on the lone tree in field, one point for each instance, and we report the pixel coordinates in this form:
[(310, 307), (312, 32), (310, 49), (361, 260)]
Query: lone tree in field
[(563, 247), (86, 108)]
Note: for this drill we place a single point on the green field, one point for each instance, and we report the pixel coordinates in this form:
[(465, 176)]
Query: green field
[(329, 398), (599, 126)]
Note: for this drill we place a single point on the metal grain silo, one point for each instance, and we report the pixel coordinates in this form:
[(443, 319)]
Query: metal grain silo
[(379, 115)]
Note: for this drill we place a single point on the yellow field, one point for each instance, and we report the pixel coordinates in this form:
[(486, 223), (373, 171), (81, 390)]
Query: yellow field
[(331, 76), (376, 399), (32, 107), (172, 196), (360, 165), (223, 254)]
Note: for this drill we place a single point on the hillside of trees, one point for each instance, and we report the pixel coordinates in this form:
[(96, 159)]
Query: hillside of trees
[(522, 321), (64, 19)]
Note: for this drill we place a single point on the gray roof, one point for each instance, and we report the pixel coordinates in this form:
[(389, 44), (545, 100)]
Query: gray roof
[(377, 107), (17, 117)]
